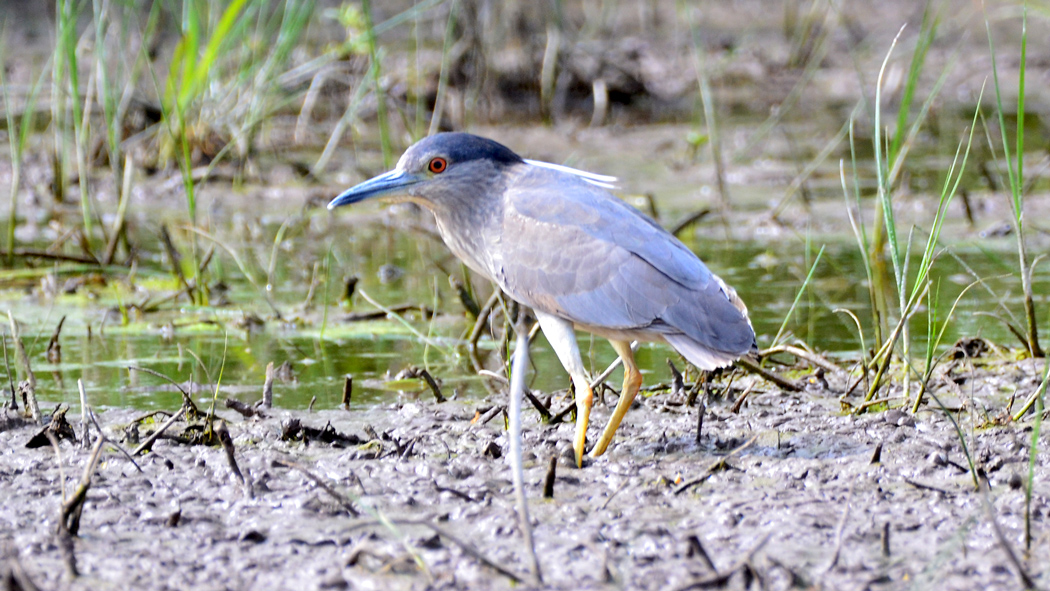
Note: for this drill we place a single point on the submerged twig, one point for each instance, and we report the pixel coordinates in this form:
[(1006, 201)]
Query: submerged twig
[(54, 346), (618, 490), (348, 392), (689, 220), (488, 415), (245, 410), (929, 487), (381, 314), (545, 413), (432, 383)]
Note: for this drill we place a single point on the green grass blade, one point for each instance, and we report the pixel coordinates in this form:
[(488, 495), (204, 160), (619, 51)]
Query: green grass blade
[(1017, 193), (927, 32), (1033, 451), (948, 191), (798, 296), (882, 171), (377, 87), (446, 64)]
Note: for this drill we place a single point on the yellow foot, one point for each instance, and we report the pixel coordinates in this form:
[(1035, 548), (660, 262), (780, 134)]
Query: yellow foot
[(584, 401), (632, 381)]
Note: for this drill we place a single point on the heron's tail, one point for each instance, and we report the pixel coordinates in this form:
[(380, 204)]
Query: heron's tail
[(702, 357)]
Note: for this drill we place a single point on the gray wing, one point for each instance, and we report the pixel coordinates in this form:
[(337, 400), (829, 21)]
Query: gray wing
[(582, 254)]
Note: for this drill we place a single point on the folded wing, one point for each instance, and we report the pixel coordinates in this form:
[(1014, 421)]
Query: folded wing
[(613, 268)]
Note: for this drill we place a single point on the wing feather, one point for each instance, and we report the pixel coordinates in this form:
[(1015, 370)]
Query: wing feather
[(582, 254)]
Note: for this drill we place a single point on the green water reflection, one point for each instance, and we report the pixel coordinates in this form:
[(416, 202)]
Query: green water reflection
[(767, 276)]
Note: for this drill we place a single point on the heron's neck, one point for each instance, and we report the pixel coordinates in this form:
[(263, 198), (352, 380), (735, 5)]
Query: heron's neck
[(471, 231)]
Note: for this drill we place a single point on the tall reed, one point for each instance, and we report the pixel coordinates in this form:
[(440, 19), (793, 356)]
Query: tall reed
[(911, 288), (1015, 176), (18, 131)]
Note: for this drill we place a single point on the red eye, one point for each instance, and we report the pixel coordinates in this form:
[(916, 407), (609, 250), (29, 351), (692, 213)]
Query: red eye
[(437, 165)]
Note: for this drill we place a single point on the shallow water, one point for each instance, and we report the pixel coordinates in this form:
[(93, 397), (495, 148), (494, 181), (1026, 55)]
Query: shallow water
[(399, 264)]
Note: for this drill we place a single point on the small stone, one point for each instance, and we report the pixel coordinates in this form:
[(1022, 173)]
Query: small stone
[(459, 472), (893, 416), (253, 536), (492, 450), (431, 543), (993, 464), (1015, 482), (336, 581)]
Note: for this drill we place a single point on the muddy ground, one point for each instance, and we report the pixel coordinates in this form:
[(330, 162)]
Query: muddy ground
[(787, 492)]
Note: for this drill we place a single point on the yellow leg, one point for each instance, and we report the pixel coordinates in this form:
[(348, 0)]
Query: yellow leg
[(632, 381), (584, 402), (562, 337)]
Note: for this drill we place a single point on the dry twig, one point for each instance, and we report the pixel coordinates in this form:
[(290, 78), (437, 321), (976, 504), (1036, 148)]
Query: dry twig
[(145, 445), (69, 516), (339, 497), (267, 397), (720, 579), (1022, 572), (715, 466), (840, 531), (219, 427), (517, 388), (754, 368), (467, 548)]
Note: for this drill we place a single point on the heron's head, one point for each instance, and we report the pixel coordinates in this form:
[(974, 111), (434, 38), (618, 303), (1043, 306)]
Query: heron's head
[(440, 171)]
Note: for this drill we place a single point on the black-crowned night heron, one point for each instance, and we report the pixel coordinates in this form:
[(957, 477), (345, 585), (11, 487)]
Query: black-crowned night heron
[(555, 239)]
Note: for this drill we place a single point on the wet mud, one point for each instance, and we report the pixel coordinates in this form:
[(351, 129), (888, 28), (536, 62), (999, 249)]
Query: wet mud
[(783, 490)]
